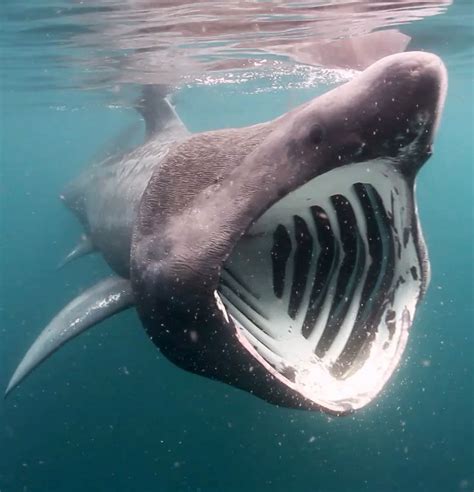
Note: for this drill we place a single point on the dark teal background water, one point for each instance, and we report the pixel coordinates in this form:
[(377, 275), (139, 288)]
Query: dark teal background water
[(108, 413)]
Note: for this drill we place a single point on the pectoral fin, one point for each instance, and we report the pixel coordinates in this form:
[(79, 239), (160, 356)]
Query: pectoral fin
[(83, 247), (101, 301)]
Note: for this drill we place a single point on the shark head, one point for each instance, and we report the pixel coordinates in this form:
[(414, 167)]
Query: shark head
[(287, 259)]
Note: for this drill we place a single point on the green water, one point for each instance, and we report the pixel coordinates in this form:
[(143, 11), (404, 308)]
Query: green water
[(108, 413)]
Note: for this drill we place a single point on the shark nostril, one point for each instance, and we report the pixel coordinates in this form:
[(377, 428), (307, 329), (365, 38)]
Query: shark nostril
[(419, 123)]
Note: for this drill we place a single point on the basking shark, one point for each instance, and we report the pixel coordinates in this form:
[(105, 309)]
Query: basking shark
[(285, 258)]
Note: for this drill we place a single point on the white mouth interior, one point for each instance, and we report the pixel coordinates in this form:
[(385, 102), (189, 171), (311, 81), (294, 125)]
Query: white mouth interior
[(323, 288)]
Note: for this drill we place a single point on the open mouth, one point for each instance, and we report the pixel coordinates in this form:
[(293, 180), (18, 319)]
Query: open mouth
[(323, 287)]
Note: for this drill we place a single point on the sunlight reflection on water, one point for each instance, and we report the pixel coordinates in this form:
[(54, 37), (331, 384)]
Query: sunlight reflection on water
[(80, 44)]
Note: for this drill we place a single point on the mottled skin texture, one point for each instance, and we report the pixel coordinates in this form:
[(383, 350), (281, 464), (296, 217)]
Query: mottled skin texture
[(189, 199)]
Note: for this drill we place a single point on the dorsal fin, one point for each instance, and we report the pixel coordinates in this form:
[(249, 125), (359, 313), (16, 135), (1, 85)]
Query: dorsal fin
[(156, 110)]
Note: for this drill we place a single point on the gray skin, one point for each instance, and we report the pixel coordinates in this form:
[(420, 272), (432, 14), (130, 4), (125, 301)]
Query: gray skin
[(168, 214)]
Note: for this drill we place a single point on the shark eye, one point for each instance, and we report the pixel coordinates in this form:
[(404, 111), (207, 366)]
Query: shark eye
[(316, 134)]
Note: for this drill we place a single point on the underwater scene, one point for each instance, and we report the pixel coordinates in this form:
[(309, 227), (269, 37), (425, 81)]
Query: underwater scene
[(236, 246)]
